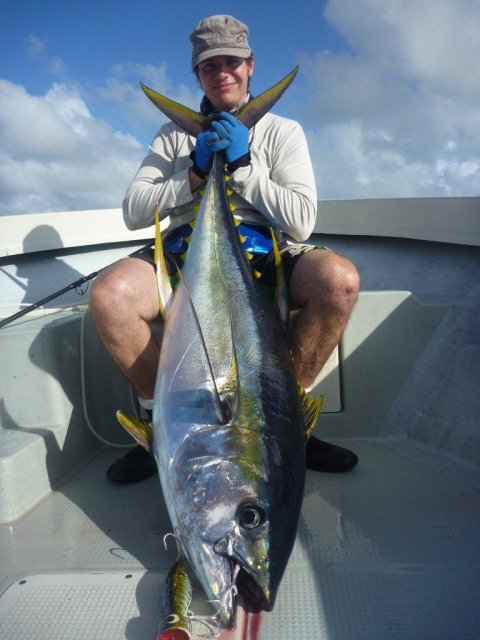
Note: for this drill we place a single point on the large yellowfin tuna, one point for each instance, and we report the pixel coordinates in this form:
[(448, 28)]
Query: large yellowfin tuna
[(229, 430)]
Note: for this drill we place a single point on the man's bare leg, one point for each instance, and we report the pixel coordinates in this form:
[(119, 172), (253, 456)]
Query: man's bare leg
[(124, 303), (324, 287)]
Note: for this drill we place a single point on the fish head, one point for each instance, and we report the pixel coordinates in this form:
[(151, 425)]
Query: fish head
[(237, 512)]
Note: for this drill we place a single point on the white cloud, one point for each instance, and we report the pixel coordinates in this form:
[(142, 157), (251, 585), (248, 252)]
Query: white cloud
[(36, 49), (398, 113), (395, 115), (122, 88), (427, 40), (56, 156), (34, 46)]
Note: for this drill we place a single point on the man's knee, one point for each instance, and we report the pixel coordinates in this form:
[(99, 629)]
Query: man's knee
[(111, 292), (325, 278), (103, 293), (127, 289), (342, 278)]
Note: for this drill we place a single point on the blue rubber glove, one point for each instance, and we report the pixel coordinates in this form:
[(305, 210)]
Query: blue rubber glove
[(208, 142), (232, 130)]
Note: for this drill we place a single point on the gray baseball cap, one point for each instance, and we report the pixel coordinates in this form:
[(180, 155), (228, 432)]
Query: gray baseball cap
[(219, 36)]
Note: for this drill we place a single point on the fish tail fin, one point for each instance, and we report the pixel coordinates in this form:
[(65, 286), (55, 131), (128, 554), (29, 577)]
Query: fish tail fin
[(189, 120), (140, 430), (164, 287), (251, 113), (311, 408), (194, 123)]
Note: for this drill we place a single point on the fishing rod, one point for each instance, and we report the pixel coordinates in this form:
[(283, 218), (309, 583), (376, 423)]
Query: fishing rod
[(74, 285)]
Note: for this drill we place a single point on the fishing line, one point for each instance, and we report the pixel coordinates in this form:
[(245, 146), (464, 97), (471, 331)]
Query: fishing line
[(84, 395), (223, 414)]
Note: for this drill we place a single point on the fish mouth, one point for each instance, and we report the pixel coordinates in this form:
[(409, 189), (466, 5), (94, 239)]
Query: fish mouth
[(255, 592)]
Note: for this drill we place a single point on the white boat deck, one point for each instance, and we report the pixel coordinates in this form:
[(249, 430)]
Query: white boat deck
[(389, 550)]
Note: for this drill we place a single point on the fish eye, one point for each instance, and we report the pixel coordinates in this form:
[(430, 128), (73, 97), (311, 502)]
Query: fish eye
[(251, 516)]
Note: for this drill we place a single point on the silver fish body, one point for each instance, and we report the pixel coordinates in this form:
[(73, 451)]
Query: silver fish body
[(232, 464)]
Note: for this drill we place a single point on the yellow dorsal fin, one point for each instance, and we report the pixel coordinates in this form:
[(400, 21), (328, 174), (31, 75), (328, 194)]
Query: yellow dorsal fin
[(311, 408), (164, 287), (140, 430)]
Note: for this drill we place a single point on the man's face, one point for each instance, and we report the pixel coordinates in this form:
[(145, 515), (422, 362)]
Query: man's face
[(224, 80)]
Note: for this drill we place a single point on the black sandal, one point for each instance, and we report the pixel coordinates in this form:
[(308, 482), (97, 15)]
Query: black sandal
[(135, 466), (322, 456)]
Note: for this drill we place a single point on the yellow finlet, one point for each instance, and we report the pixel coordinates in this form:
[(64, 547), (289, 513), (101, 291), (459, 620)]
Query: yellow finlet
[(249, 255), (311, 408), (242, 238), (229, 192), (140, 430), (276, 252), (193, 222), (236, 221), (257, 274), (164, 287)]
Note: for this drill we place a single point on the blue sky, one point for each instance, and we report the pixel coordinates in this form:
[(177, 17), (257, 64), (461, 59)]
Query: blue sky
[(388, 92)]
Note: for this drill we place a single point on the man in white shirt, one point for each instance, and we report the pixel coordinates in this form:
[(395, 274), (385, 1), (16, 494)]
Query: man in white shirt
[(273, 184)]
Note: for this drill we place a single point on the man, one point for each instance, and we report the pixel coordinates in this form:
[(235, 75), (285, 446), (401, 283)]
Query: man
[(273, 184)]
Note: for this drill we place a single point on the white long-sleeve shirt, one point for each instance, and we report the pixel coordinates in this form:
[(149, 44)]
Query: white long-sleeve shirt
[(277, 188)]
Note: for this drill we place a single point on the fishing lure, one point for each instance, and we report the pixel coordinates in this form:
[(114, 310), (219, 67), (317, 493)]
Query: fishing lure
[(176, 625)]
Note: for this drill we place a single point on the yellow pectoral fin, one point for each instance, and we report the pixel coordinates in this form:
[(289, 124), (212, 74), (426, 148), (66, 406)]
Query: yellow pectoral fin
[(163, 281), (140, 430), (311, 408)]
